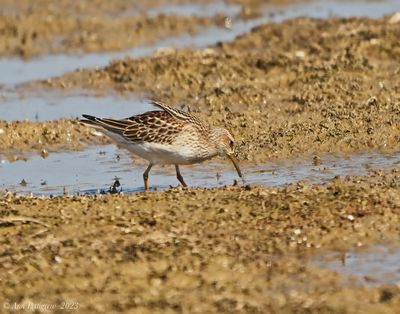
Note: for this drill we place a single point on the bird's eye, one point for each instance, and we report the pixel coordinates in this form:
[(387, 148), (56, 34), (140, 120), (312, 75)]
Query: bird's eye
[(231, 143)]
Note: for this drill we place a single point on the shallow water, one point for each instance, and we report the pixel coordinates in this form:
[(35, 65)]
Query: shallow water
[(94, 169), (197, 9), (324, 9), (15, 70), (377, 266), (52, 105)]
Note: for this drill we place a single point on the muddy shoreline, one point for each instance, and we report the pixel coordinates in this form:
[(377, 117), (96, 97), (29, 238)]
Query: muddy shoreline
[(304, 87), (48, 27), (23, 137), (37, 34), (281, 97), (226, 247)]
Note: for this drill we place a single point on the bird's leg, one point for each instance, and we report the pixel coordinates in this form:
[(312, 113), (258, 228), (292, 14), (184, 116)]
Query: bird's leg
[(179, 176), (146, 177)]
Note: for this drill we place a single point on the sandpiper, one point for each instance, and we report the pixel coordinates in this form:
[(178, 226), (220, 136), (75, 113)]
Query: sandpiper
[(169, 136)]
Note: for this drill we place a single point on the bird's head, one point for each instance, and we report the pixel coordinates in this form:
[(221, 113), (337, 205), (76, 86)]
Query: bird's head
[(225, 145)]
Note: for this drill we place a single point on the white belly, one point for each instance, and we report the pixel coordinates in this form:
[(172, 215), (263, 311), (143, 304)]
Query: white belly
[(159, 153), (163, 154)]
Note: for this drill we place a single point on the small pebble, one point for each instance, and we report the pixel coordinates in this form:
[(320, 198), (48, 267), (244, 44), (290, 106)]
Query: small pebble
[(316, 160), (57, 259), (297, 231), (228, 22), (300, 54), (44, 153)]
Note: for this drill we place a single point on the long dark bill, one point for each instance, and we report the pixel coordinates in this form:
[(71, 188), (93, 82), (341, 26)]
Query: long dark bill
[(236, 164)]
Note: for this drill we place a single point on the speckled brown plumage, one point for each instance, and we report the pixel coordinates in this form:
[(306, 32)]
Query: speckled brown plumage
[(152, 126), (170, 136)]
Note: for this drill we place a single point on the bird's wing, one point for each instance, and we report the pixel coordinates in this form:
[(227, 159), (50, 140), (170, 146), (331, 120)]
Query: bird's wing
[(179, 114), (154, 127)]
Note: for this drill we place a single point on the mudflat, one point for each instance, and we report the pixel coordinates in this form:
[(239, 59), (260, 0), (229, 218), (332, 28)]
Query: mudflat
[(244, 249), (298, 88)]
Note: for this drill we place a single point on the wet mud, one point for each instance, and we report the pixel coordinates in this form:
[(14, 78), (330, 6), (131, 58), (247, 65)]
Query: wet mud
[(304, 89), (34, 29), (40, 33), (21, 137), (299, 87), (229, 249)]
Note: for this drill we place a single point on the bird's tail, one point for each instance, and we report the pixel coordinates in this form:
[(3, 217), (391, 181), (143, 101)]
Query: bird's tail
[(90, 121), (116, 126)]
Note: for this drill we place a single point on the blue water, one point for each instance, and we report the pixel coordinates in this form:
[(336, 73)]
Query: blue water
[(374, 267), (94, 169), (52, 105)]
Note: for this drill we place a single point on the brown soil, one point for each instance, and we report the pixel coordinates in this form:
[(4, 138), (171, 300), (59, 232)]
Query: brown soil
[(233, 249), (300, 87), (74, 27), (33, 28), (22, 137), (303, 86), (110, 8), (85, 8)]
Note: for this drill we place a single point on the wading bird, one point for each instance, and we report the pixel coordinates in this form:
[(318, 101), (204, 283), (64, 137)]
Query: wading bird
[(167, 136)]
